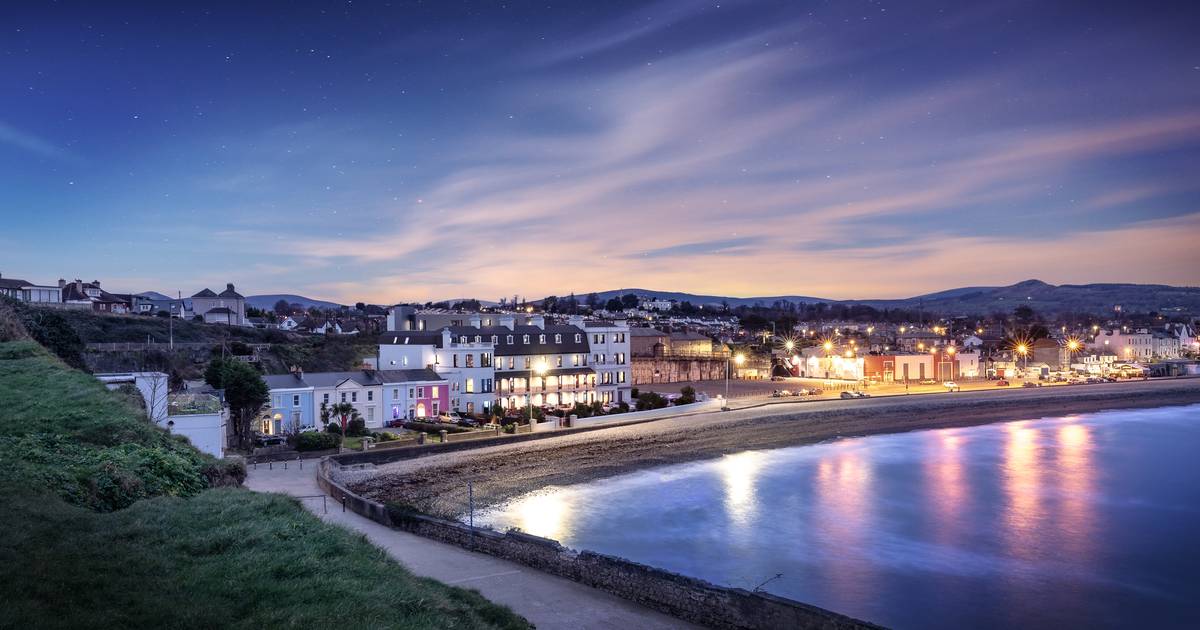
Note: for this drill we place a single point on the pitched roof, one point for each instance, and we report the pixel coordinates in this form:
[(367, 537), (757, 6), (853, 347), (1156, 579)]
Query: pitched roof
[(13, 283), (535, 345), (284, 381), (230, 293), (205, 293), (361, 377), (419, 375)]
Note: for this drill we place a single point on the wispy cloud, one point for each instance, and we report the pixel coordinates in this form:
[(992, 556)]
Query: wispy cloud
[(32, 144), (769, 146)]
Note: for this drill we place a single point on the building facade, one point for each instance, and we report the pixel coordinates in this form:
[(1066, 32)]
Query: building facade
[(27, 291), (226, 307)]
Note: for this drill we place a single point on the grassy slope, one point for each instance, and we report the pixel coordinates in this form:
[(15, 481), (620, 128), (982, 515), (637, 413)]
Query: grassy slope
[(223, 557), (313, 353)]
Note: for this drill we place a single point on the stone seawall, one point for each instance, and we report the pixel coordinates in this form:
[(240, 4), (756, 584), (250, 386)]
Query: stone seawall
[(684, 597)]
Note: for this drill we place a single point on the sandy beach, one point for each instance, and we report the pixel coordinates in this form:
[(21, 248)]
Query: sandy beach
[(437, 484)]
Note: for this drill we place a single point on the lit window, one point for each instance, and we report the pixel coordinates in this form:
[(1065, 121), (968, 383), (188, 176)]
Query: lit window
[(541, 338), (525, 339), (557, 338)]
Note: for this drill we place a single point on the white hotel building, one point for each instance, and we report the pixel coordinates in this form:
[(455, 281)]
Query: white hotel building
[(510, 364)]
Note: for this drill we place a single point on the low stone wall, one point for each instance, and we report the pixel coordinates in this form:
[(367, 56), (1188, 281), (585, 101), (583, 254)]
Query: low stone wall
[(678, 595)]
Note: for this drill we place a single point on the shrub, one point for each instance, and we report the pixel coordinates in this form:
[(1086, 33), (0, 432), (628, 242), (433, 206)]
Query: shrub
[(510, 428), (316, 441), (357, 427), (634, 392), (687, 395), (434, 427), (224, 472), (385, 436), (651, 400), (333, 428)]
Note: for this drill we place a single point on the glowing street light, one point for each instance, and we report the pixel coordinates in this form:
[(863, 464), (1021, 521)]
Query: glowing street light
[(739, 359), (789, 344), (1023, 350), (828, 346)]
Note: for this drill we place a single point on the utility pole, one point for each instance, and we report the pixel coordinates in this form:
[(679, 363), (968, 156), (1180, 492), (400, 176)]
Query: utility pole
[(171, 320)]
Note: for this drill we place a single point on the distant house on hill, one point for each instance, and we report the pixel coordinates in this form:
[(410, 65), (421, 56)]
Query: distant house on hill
[(226, 307), (90, 295), (27, 291)]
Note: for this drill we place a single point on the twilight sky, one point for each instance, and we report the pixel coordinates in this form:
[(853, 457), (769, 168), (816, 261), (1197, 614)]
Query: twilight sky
[(428, 150)]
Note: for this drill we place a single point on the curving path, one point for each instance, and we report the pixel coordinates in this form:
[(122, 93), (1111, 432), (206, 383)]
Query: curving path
[(547, 601)]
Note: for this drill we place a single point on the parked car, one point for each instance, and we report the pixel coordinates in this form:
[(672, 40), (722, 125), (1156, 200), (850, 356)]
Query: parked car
[(951, 385), (310, 430), (861, 395), (928, 381), (777, 378), (268, 440), (1002, 383), (848, 395), (450, 417), (1030, 384), (467, 422)]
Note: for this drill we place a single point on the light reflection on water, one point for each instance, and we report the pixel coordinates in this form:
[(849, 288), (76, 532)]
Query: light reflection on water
[(1083, 520)]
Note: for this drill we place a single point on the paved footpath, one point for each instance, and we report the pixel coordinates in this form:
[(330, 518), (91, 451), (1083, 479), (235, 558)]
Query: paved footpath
[(549, 602)]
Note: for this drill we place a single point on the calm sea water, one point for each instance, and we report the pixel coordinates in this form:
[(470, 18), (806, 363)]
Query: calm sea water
[(1081, 521)]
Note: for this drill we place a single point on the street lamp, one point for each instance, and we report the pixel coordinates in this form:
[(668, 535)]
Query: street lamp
[(739, 358), (789, 344), (1023, 350)]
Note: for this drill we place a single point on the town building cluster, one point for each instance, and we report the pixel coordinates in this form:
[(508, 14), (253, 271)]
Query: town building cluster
[(433, 362)]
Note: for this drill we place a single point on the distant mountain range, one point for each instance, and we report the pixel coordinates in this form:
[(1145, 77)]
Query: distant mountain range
[(1041, 296), (267, 302)]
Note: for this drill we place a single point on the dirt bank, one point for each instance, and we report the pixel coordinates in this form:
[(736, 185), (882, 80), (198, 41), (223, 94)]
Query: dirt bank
[(437, 484)]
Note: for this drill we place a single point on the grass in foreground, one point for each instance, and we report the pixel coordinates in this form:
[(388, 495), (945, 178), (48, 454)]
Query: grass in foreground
[(109, 521), (228, 558)]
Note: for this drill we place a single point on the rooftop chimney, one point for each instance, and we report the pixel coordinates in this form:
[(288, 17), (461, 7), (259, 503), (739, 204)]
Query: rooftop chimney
[(229, 286), (61, 283), (507, 321)]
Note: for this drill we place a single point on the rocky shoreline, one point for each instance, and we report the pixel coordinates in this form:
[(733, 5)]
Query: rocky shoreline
[(437, 484)]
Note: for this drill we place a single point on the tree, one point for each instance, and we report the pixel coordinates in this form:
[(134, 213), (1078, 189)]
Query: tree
[(629, 300), (593, 301), (283, 308), (344, 412), (245, 392), (1024, 314), (687, 395), (360, 306), (614, 305)]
